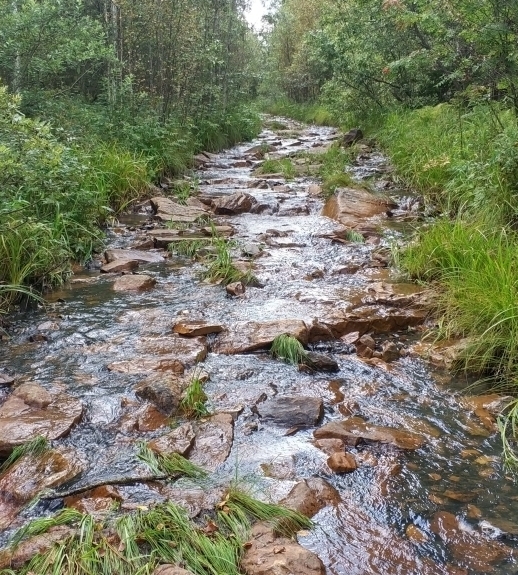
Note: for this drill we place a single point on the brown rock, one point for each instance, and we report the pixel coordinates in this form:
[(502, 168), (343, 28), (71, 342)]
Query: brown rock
[(389, 352), (237, 203), (149, 418), (214, 438), (33, 395), (30, 475), (235, 289), (167, 210), (180, 440), (139, 282), (120, 266), (357, 427), (196, 328), (163, 391), (415, 534), (292, 410), (330, 446), (243, 337), (20, 423), (269, 555), (142, 257), (458, 496), (341, 462), (309, 496)]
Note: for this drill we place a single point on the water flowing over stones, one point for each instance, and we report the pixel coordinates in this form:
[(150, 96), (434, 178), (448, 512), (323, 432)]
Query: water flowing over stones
[(399, 474)]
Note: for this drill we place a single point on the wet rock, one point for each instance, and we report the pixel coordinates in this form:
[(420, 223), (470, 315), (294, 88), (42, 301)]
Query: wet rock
[(330, 446), (354, 207), (33, 395), (321, 362), (469, 549), (225, 231), (280, 468), (16, 557), (235, 289), (21, 422), (365, 346), (163, 237), (244, 337), (134, 283), (463, 497), (163, 391), (196, 328), (314, 190), (309, 496), (234, 204), (292, 411), (97, 502), (214, 438), (30, 475), (167, 210), (149, 418), (168, 569), (389, 352), (260, 150), (120, 266), (6, 379), (180, 440), (341, 462), (358, 428), (146, 364), (415, 534), (142, 257), (267, 554), (352, 136)]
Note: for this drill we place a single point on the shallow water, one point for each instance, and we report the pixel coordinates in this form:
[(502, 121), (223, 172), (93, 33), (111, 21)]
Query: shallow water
[(366, 533)]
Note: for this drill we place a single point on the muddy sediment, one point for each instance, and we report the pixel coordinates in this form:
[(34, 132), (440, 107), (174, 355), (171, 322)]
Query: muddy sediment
[(404, 474)]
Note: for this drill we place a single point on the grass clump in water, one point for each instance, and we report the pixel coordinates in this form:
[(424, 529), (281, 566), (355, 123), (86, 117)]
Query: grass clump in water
[(284, 167), (193, 403), (173, 464), (288, 349), (188, 248), (35, 447), (222, 269)]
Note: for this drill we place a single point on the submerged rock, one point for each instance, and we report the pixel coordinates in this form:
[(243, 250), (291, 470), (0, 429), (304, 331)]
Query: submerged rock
[(244, 337), (356, 427), (31, 411), (118, 266), (134, 283), (311, 495), (142, 257), (292, 411)]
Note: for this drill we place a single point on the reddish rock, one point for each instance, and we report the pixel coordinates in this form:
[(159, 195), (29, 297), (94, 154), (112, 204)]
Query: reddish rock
[(142, 257), (309, 496), (330, 446), (267, 554), (244, 337), (415, 534), (358, 428), (139, 282), (151, 419), (214, 438), (196, 328), (120, 266), (237, 203), (167, 210), (30, 475), (180, 440), (341, 462), (389, 352), (20, 422)]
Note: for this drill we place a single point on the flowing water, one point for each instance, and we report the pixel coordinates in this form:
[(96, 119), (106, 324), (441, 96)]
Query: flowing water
[(88, 326)]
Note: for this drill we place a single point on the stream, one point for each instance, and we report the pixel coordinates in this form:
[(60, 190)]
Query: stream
[(446, 505)]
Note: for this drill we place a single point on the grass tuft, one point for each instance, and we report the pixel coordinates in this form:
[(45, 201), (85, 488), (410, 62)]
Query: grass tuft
[(35, 447), (194, 400), (284, 167), (173, 464), (288, 349)]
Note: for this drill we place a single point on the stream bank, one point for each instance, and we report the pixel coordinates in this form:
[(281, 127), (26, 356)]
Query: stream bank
[(412, 469)]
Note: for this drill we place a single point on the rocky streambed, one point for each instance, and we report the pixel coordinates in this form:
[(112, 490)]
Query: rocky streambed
[(398, 466)]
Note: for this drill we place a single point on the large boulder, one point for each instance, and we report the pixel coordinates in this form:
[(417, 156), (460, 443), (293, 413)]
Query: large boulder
[(31, 411), (244, 337), (356, 427), (167, 210), (237, 203)]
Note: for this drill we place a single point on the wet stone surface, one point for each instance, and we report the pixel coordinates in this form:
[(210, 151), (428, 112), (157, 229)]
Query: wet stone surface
[(99, 370)]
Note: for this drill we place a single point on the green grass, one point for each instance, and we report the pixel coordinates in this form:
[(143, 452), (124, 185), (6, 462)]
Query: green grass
[(193, 403), (284, 167), (310, 113), (188, 248), (288, 348), (35, 447), (221, 269), (174, 464)]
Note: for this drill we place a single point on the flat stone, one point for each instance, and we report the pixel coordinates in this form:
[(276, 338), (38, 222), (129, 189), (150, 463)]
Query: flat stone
[(213, 443), (357, 427), (292, 411), (245, 337), (21, 422), (311, 495), (321, 362), (30, 475), (330, 445), (142, 257), (134, 283), (196, 328), (267, 554), (167, 210), (341, 462), (180, 440), (33, 395), (120, 266), (163, 391), (233, 204)]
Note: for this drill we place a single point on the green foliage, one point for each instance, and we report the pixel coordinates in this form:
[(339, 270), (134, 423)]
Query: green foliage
[(188, 248), (288, 349), (284, 167), (173, 464), (35, 447), (508, 427), (221, 269), (194, 399)]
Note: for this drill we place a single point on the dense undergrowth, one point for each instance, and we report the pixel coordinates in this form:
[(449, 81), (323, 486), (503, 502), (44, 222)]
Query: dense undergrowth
[(64, 176)]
